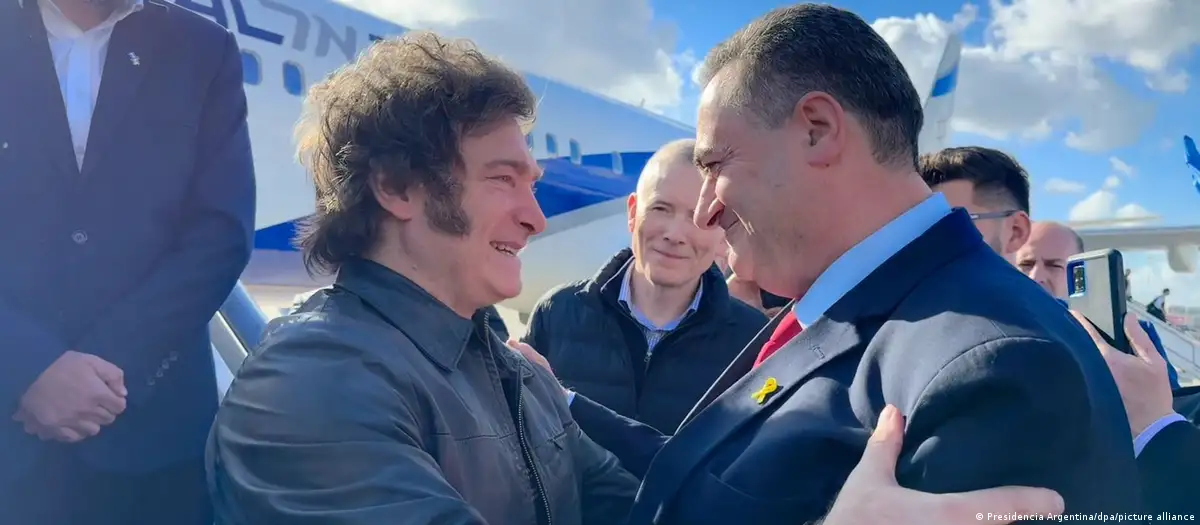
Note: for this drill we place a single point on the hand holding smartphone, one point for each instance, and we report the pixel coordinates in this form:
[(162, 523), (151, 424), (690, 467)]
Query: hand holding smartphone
[(1096, 289)]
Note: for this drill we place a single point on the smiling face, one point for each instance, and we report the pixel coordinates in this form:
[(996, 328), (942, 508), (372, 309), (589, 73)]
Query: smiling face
[(499, 175), (477, 266), (668, 248), (768, 188)]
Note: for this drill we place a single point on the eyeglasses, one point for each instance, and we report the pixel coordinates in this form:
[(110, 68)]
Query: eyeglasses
[(992, 215)]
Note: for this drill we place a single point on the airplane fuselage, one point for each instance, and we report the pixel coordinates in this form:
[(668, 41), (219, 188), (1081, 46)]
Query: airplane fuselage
[(591, 148)]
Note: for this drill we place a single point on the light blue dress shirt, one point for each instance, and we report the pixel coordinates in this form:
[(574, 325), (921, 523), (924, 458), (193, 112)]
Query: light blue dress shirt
[(653, 332), (865, 257)]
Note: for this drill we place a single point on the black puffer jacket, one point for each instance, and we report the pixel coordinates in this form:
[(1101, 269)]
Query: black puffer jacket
[(596, 347)]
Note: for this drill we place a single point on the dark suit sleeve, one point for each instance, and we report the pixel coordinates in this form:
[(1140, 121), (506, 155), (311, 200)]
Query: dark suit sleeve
[(1187, 403), (1008, 412), (1169, 468), (193, 277), (325, 441), (608, 490), (634, 443), (29, 350)]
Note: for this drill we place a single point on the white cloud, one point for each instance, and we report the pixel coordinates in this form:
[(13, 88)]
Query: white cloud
[(1132, 210), (1148, 35), (1119, 166), (615, 47), (1097, 206), (1037, 74), (1176, 82), (1112, 182), (1064, 186), (1102, 205), (1041, 68)]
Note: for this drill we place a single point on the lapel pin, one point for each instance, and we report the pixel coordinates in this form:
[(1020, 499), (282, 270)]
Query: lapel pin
[(768, 388), (134, 59)]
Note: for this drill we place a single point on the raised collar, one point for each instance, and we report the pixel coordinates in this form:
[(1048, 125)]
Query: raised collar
[(436, 330)]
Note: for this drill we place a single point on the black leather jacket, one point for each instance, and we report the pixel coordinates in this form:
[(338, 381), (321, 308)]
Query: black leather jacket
[(374, 403)]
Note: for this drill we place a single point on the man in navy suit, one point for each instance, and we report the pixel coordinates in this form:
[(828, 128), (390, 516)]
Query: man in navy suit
[(1163, 422), (807, 134), (127, 195)]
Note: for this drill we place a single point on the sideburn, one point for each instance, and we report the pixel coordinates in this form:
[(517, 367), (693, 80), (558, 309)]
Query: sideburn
[(445, 212)]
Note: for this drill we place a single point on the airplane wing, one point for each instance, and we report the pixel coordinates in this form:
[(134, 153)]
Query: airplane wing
[(1180, 242)]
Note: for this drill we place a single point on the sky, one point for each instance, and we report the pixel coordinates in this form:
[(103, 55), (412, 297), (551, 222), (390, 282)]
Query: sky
[(1091, 96)]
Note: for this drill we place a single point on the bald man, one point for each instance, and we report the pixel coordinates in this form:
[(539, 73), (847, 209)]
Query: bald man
[(1044, 259), (651, 331), (1044, 256)]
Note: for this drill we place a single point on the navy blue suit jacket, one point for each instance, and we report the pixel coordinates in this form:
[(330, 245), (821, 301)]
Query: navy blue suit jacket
[(998, 383), (128, 258), (1170, 464)]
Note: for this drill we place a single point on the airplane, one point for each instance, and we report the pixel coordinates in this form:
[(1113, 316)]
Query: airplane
[(1193, 160), (591, 147), (1180, 242)]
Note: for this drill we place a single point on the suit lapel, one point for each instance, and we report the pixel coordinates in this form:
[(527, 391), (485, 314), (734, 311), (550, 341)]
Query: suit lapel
[(833, 335), (26, 49), (741, 365), (696, 439), (131, 55)]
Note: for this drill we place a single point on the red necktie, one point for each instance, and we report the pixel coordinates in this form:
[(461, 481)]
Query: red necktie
[(787, 329)]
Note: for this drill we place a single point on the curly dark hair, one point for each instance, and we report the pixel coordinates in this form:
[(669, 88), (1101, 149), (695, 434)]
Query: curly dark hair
[(397, 116)]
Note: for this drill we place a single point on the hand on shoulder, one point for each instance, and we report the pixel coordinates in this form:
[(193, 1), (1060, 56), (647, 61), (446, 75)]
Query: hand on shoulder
[(871, 494)]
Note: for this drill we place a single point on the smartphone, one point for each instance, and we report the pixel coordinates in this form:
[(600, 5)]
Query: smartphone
[(1096, 289)]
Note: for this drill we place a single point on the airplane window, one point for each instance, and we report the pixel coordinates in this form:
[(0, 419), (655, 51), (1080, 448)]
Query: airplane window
[(576, 154), (551, 145), (251, 68), (293, 78), (617, 163)]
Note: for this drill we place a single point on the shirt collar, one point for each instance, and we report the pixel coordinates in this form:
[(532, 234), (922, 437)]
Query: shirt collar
[(859, 261), (117, 16), (626, 298)]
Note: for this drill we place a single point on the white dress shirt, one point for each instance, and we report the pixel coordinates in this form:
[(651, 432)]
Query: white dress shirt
[(79, 61)]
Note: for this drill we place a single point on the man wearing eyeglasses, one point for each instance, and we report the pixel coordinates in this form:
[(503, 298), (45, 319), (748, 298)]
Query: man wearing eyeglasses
[(991, 186)]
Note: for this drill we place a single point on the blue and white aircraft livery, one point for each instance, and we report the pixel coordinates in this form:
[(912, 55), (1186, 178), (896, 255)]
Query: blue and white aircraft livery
[(592, 148), (1193, 160)]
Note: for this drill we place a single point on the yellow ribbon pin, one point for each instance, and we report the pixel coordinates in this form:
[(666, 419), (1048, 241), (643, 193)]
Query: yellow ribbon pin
[(767, 389)]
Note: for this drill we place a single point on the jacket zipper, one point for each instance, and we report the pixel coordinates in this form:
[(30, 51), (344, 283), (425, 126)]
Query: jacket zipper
[(526, 450), (650, 353), (537, 478), (637, 396)]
